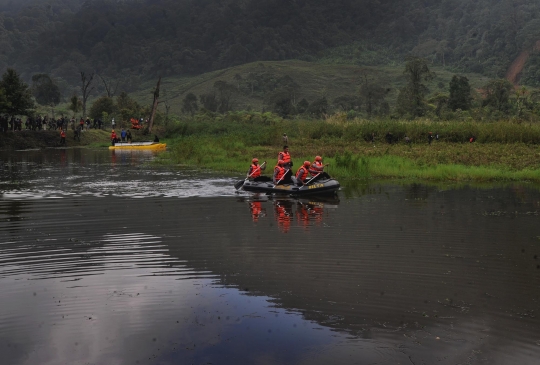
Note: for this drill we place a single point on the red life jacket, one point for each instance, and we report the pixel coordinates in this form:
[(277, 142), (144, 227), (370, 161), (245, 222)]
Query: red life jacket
[(285, 156), (280, 173), (62, 134), (255, 171), (316, 167), (302, 173), (113, 135)]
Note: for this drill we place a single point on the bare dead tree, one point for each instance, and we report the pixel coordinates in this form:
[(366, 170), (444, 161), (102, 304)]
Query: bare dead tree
[(111, 91), (167, 106), (154, 106), (86, 82)]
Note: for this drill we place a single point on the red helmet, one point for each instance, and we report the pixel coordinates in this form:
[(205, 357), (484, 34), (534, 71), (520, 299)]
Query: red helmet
[(281, 162), (318, 158), (255, 160), (307, 163)]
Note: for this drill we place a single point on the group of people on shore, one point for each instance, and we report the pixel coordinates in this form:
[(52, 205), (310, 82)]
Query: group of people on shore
[(125, 136), (389, 137), (308, 171), (40, 123)]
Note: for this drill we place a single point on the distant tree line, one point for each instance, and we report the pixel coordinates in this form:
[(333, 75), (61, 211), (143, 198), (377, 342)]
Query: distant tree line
[(498, 99), (17, 98)]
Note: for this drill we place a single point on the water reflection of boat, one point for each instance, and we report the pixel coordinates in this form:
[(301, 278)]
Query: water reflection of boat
[(289, 211), (317, 186), (138, 146)]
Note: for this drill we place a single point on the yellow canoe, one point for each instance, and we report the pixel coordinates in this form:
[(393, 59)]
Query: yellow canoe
[(138, 146)]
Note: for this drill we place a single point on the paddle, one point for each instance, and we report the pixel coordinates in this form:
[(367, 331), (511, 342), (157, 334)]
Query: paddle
[(312, 179), (285, 174), (240, 183)]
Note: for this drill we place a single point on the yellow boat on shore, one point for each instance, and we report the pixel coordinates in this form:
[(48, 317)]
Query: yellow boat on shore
[(138, 146)]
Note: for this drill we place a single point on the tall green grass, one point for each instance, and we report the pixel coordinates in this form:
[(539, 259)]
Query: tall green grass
[(504, 151), (266, 128)]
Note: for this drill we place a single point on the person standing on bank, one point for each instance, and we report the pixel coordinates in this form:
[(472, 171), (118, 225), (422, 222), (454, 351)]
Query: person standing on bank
[(114, 137), (128, 136), (285, 139), (430, 138), (62, 137), (285, 157), (389, 137)]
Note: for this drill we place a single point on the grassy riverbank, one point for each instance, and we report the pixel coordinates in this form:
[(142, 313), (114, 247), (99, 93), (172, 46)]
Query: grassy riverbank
[(20, 140), (94, 138), (504, 151)]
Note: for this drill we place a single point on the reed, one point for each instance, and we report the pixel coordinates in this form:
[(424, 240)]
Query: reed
[(503, 151)]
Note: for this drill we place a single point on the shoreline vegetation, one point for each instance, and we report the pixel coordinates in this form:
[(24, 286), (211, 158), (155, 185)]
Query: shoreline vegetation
[(91, 138), (503, 151)]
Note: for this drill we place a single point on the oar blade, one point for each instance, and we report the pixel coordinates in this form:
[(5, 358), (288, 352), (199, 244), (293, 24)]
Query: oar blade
[(239, 184)]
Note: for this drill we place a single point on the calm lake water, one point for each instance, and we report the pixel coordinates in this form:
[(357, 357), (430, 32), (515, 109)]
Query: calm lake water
[(106, 259)]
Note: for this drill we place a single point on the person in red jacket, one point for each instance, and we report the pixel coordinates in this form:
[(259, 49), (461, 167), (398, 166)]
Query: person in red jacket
[(62, 137), (114, 137), (303, 173), (255, 169), (317, 166), (285, 157), (279, 173)]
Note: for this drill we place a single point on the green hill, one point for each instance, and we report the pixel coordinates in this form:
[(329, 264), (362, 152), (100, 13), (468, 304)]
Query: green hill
[(313, 79)]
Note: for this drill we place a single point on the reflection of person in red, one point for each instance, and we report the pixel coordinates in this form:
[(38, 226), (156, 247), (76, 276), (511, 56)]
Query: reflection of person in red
[(284, 216), (303, 215), (256, 210), (317, 212)]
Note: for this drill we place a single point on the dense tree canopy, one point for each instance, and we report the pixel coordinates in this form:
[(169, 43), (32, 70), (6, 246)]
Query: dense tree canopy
[(45, 90), (150, 37), (16, 98), (411, 99), (102, 105), (460, 93)]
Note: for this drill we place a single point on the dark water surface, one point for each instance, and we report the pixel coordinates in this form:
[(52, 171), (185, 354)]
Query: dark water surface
[(105, 259)]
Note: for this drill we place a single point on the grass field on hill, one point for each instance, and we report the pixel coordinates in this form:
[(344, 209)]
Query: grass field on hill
[(315, 80)]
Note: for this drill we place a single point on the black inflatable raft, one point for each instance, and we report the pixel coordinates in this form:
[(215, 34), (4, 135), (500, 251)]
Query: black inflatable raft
[(323, 184)]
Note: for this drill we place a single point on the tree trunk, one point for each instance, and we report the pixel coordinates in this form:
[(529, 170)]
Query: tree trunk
[(85, 91), (154, 106), (443, 63)]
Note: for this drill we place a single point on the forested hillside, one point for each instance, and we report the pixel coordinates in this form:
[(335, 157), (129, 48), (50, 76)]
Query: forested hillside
[(140, 39)]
